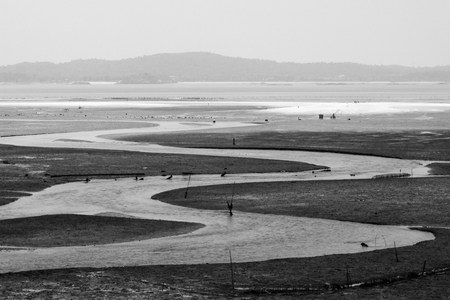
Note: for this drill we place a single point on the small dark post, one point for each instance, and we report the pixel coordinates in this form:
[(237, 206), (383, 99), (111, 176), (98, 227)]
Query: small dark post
[(348, 278), (234, 141), (396, 255), (230, 207), (423, 268), (232, 273), (187, 187)]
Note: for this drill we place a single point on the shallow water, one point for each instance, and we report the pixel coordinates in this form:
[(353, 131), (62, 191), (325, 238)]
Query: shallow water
[(424, 91)]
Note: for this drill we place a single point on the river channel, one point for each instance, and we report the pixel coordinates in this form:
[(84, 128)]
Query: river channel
[(250, 237)]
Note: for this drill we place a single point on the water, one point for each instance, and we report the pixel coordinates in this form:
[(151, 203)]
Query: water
[(284, 91)]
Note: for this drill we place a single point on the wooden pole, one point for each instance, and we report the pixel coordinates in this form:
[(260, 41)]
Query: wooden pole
[(423, 268), (232, 273), (189, 180)]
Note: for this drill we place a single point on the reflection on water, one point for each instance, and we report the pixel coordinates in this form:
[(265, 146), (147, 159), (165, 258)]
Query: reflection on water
[(251, 237)]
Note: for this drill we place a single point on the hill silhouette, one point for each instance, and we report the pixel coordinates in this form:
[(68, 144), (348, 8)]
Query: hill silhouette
[(202, 66)]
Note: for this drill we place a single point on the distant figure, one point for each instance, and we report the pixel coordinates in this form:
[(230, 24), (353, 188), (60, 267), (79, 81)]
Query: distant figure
[(87, 180), (136, 178), (170, 177), (364, 245)]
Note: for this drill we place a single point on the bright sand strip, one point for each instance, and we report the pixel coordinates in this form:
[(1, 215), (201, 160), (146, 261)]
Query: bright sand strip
[(266, 107), (352, 108)]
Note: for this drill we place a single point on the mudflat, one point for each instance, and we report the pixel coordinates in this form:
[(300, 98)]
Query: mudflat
[(415, 271)]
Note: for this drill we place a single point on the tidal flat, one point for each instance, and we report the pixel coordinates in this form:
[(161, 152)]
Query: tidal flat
[(246, 136)]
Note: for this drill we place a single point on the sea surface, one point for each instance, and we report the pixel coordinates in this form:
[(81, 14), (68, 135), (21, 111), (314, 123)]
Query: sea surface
[(344, 91)]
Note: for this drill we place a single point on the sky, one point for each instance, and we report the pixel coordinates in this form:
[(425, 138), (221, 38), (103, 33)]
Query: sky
[(375, 32)]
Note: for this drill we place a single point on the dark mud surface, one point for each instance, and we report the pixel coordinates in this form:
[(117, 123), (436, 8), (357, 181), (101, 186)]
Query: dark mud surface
[(310, 278), (407, 144), (396, 201), (81, 230)]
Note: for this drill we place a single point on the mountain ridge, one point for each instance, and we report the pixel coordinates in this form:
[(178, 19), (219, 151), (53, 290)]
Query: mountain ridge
[(204, 66)]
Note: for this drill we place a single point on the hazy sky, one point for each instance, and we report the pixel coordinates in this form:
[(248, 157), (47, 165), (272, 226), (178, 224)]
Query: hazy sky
[(382, 32)]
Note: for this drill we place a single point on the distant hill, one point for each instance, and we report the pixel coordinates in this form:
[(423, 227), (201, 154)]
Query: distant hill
[(201, 66)]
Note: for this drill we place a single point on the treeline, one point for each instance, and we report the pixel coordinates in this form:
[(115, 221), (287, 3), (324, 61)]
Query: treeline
[(199, 66)]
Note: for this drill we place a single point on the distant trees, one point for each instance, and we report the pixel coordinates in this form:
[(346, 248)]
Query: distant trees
[(201, 66)]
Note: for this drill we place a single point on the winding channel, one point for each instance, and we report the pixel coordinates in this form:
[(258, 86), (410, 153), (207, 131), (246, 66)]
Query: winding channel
[(251, 237)]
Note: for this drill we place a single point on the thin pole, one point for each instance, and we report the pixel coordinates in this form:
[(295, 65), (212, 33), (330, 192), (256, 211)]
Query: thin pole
[(189, 180), (232, 273), (423, 268)]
